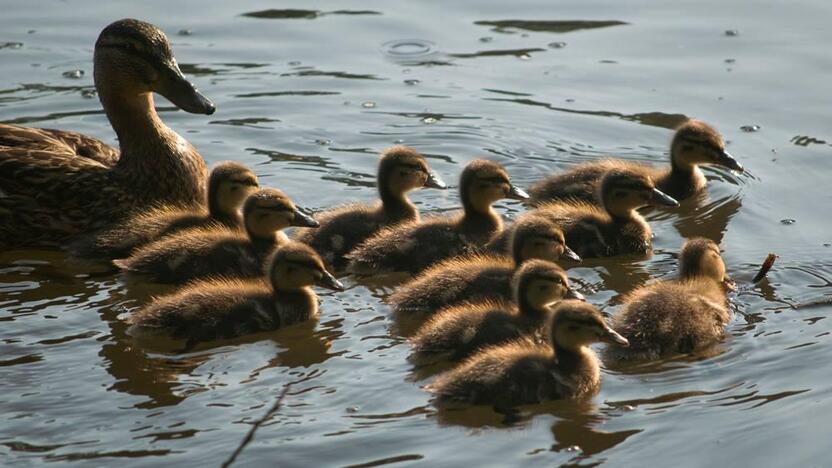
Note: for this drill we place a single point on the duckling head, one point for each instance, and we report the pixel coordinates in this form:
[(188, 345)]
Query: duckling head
[(538, 284), (539, 237), (696, 142), (136, 58), (623, 191), (700, 258), (269, 210), (575, 324), (296, 266), (403, 169), (484, 182), (229, 185)]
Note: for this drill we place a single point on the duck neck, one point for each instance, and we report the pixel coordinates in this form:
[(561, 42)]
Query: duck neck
[(621, 214), (157, 164), (263, 239), (529, 310), (581, 365), (480, 218), (136, 123), (395, 204)]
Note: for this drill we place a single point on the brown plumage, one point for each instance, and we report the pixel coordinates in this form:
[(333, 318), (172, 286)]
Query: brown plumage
[(478, 277), (460, 330), (225, 308), (523, 372), (615, 228), (228, 186), (694, 143), (412, 247), (400, 170), (55, 185), (219, 251), (680, 315)]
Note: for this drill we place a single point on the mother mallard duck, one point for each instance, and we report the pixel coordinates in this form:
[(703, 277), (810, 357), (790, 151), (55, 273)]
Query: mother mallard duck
[(56, 184)]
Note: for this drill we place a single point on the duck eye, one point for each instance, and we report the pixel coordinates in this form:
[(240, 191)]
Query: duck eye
[(620, 194), (573, 328), (687, 147)]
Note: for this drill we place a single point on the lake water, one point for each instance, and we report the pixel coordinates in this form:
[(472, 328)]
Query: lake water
[(308, 97)]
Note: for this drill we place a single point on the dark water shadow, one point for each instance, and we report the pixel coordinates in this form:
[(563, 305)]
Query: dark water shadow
[(559, 27), (293, 13)]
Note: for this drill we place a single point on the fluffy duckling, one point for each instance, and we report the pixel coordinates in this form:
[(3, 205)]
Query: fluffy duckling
[(681, 315), (523, 372), (226, 308), (400, 170), (615, 228), (219, 251), (478, 277), (228, 186), (412, 247), (694, 143), (56, 185), (459, 331)]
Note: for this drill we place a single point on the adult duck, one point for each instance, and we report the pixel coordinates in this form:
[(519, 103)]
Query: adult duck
[(56, 184)]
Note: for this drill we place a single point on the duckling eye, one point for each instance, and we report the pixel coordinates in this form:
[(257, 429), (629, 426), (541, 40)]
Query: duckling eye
[(687, 147), (573, 328), (620, 194)]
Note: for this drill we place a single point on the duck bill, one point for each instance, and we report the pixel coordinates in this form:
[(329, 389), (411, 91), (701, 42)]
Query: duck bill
[(724, 158), (662, 199), (613, 337), (516, 193), (302, 219), (329, 282), (435, 182), (177, 89), (570, 254), (572, 294)]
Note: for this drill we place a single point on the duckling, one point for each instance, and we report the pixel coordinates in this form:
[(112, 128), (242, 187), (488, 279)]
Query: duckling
[(228, 186), (226, 308), (615, 228), (480, 277), (219, 251), (681, 315), (459, 331), (523, 372), (59, 186), (694, 143), (412, 247), (400, 170)]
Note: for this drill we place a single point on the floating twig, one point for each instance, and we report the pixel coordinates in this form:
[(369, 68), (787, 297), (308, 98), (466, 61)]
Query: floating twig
[(250, 436), (764, 269)]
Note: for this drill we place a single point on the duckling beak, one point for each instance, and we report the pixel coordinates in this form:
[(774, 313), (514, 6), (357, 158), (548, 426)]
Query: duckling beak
[(304, 220), (572, 294), (328, 281), (662, 199), (516, 193), (434, 181), (725, 159), (177, 89), (612, 336), (570, 254)]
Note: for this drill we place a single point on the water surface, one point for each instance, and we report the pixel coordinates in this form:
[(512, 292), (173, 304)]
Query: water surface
[(308, 94)]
